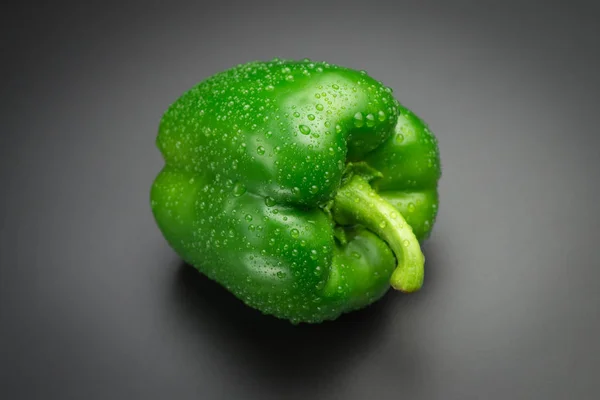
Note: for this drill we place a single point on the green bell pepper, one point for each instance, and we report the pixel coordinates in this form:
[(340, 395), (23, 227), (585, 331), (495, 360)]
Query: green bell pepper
[(304, 188)]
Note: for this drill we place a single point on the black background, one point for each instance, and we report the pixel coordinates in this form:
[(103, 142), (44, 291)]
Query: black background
[(94, 304)]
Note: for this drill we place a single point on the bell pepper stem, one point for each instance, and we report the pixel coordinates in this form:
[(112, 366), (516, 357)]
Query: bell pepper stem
[(357, 203)]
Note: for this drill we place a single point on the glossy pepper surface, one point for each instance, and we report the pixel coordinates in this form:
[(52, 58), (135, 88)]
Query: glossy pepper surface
[(304, 188)]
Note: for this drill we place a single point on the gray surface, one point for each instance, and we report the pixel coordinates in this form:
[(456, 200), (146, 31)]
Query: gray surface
[(94, 305)]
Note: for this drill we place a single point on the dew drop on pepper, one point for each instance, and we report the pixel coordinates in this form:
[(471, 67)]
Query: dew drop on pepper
[(305, 130), (269, 201), (358, 120), (370, 120), (239, 189)]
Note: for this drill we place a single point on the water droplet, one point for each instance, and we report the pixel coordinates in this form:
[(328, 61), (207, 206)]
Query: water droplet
[(382, 224), (294, 233), (248, 217), (319, 107), (260, 150), (399, 138), (269, 201), (406, 243), (358, 120), (338, 128), (270, 88), (239, 189), (334, 86), (370, 120), (310, 117), (381, 116), (314, 189), (305, 130), (280, 274), (289, 78), (356, 255), (411, 207), (296, 114)]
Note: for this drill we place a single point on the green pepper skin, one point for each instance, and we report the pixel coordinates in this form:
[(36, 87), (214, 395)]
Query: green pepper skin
[(257, 162)]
